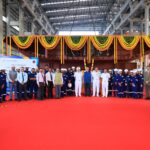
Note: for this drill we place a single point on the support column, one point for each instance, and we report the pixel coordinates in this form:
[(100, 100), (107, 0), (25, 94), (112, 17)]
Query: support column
[(8, 19), (21, 21), (1, 25), (147, 20), (32, 28), (131, 26)]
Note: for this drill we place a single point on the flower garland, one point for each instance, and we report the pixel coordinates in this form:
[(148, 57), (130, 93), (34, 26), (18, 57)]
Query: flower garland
[(101, 43), (147, 40), (75, 43), (115, 51), (142, 48), (23, 42), (128, 42), (92, 66), (89, 50), (49, 42)]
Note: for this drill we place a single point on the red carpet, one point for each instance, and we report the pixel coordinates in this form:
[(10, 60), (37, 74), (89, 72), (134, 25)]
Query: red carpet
[(75, 124)]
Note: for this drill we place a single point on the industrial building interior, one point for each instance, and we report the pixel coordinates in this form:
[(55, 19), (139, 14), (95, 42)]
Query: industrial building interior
[(74, 17)]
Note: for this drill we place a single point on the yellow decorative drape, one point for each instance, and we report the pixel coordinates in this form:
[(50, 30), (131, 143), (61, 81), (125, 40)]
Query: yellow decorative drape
[(89, 50), (49, 45), (62, 51), (101, 46), (142, 48), (37, 47), (115, 51), (75, 46), (128, 45), (146, 40), (23, 44)]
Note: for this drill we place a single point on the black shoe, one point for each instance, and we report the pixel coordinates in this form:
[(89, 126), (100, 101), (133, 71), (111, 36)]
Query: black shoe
[(10, 99)]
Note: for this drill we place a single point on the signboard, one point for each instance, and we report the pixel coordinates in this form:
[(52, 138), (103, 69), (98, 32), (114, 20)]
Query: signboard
[(6, 62)]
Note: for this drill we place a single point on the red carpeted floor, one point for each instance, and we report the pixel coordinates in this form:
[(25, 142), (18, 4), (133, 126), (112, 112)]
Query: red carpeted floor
[(75, 124)]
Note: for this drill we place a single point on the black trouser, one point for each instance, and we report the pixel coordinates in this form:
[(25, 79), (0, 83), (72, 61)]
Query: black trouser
[(41, 91), (22, 91), (50, 89), (87, 87), (33, 89), (45, 91)]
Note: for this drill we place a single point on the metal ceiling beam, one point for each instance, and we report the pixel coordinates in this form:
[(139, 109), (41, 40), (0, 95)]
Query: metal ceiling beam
[(52, 15), (78, 17), (74, 3), (30, 7), (114, 24), (129, 15), (97, 22), (93, 7)]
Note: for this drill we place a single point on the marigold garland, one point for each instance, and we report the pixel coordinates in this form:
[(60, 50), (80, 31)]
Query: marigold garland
[(75, 43), (23, 42), (146, 40), (101, 43), (128, 42), (49, 42)]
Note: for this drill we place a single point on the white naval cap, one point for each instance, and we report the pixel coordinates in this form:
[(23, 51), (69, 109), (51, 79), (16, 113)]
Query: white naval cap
[(78, 68), (73, 67), (120, 70), (126, 70), (139, 69), (115, 69), (134, 71), (131, 71), (63, 69)]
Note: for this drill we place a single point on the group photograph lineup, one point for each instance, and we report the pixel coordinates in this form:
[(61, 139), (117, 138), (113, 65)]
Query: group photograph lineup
[(49, 83)]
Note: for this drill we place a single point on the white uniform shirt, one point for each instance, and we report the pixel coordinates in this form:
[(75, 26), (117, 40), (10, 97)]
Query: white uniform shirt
[(22, 77), (49, 77), (105, 77), (95, 75), (78, 76), (40, 78)]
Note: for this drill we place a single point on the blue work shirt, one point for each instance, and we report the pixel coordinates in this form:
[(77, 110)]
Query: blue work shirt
[(87, 77)]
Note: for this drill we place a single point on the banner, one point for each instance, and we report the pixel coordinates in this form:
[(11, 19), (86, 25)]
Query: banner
[(8, 61)]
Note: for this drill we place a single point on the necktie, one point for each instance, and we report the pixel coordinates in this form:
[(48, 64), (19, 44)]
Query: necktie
[(22, 77), (50, 77), (42, 77)]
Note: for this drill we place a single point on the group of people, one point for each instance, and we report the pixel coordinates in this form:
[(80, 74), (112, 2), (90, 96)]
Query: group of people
[(39, 83)]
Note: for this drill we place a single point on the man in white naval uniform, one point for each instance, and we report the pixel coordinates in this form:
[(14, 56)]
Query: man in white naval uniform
[(96, 82), (105, 79), (78, 82)]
